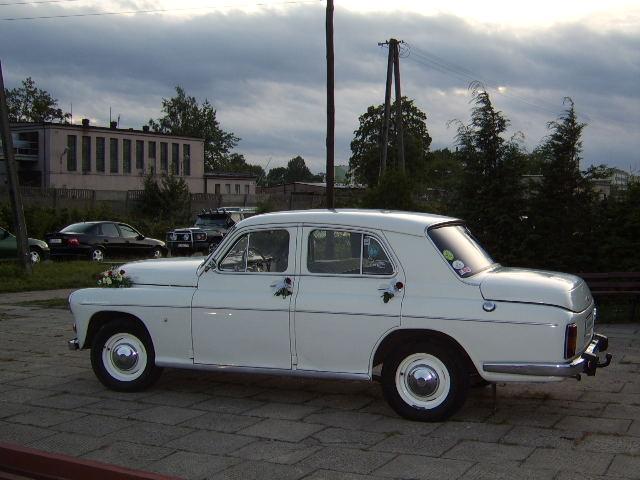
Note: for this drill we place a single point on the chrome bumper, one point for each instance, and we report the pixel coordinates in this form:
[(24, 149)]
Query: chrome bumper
[(73, 344), (587, 363)]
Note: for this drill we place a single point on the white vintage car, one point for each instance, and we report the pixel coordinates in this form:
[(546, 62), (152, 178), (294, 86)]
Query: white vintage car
[(407, 298)]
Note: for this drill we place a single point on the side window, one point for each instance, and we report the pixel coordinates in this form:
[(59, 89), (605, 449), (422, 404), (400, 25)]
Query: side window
[(127, 231), (109, 230), (261, 251), (374, 259), (334, 252), (348, 253)]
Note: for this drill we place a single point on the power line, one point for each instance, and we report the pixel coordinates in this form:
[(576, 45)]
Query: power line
[(431, 60), (36, 3), (158, 10)]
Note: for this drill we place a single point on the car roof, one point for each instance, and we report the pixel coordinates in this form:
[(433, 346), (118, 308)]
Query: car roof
[(412, 223)]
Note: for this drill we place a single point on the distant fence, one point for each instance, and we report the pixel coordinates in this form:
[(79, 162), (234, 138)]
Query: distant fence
[(126, 202)]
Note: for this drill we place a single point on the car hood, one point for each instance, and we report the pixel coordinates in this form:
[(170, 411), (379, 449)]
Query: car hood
[(179, 272), (536, 286)]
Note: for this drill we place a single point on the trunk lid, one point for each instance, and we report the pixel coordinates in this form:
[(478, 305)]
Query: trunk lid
[(536, 286)]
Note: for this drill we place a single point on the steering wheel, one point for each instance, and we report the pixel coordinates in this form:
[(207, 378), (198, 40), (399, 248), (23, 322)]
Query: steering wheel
[(262, 265)]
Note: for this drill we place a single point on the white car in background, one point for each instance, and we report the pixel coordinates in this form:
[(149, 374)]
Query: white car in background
[(345, 294)]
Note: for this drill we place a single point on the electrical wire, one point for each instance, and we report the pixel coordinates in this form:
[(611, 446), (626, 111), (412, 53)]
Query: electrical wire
[(36, 2), (431, 60), (158, 10)]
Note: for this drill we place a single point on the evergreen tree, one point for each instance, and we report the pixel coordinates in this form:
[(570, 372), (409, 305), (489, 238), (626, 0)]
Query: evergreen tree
[(491, 196), (564, 203)]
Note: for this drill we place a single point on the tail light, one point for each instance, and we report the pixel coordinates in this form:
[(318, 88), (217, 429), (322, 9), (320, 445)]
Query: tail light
[(570, 340), (73, 242)]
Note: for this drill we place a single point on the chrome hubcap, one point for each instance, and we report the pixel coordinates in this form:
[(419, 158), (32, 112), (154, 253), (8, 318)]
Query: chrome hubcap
[(124, 357), (422, 380)]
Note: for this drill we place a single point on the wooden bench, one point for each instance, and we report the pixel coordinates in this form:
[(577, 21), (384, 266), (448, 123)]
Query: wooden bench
[(615, 284)]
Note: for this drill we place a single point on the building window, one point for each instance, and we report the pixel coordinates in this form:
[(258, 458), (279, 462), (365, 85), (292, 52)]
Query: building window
[(71, 153), (227, 188), (186, 160), (164, 156), (140, 154), (175, 158), (237, 189), (113, 155), (151, 146), (126, 156), (246, 189), (86, 154), (99, 154), (217, 189)]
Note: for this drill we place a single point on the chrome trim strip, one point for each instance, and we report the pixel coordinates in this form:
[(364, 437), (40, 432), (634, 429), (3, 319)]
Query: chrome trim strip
[(511, 322), (266, 371), (118, 305), (355, 314)]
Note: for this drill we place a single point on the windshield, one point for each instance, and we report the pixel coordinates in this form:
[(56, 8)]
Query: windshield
[(460, 249), (220, 221), (77, 228)]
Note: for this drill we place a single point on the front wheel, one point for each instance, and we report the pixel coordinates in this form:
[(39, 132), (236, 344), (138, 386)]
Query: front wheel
[(157, 253), (425, 382), (123, 358), (35, 255)]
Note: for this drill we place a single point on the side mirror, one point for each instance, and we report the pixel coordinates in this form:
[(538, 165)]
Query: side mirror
[(140, 237), (3, 234)]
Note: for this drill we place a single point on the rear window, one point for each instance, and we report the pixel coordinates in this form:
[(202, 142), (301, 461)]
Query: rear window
[(78, 228), (217, 221), (460, 249)]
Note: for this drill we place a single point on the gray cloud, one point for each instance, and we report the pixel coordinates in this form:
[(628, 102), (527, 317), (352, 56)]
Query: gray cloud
[(265, 73)]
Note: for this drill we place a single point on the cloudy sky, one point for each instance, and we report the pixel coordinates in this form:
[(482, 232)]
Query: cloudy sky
[(262, 65)]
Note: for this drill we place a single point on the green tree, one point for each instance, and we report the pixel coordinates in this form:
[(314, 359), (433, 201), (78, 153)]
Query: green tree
[(183, 116), (29, 103), (295, 171), (366, 147), (564, 203), (237, 163), (167, 201), (395, 190), (491, 197)]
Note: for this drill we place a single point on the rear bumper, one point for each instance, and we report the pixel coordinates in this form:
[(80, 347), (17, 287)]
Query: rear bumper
[(586, 363)]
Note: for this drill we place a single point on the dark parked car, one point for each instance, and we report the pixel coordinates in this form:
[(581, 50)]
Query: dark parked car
[(38, 250), (99, 240), (207, 232)]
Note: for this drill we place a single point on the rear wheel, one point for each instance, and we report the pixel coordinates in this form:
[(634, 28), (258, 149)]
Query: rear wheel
[(96, 254), (425, 381), (123, 358)]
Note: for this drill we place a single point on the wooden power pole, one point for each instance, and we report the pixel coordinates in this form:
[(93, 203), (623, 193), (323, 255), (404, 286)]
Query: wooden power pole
[(393, 69), (331, 107), (12, 176)]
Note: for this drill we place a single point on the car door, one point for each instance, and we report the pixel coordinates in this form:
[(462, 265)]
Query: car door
[(130, 244), (107, 237), (340, 307), (241, 309), (8, 244)]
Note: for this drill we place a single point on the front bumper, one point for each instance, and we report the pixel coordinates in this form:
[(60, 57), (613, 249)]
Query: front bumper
[(586, 363)]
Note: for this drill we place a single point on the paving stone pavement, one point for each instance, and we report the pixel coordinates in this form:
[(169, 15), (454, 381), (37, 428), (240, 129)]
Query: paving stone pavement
[(226, 426)]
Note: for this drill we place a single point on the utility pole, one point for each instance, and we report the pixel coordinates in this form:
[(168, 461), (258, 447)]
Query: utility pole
[(12, 176), (331, 107), (393, 69), (387, 106)]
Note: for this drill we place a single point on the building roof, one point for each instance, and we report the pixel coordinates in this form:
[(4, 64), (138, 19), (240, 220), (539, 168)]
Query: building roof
[(235, 175), (75, 126), (396, 221)]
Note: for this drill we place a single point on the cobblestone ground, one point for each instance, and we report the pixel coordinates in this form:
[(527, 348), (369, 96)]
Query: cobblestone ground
[(204, 425)]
